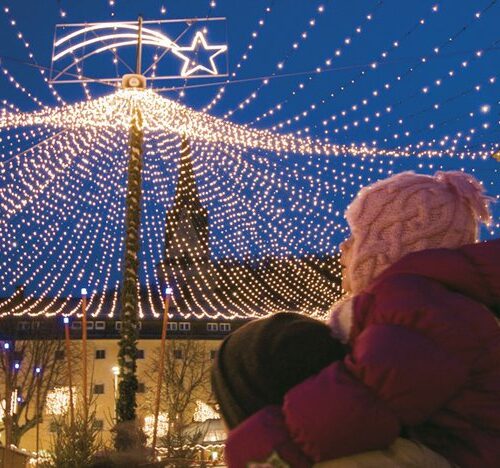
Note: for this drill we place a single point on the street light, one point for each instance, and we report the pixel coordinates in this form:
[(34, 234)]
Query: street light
[(116, 373), (38, 372)]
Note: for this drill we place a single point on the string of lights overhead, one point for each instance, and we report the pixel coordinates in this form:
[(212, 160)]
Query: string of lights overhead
[(243, 59), (302, 38), (13, 23), (238, 221)]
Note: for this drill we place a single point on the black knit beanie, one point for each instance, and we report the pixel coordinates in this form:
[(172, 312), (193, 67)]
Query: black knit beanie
[(259, 362)]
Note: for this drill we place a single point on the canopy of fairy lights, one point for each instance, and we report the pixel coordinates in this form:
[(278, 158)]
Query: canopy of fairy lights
[(274, 191)]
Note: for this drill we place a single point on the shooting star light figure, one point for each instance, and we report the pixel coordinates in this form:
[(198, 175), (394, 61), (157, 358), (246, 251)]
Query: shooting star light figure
[(110, 36)]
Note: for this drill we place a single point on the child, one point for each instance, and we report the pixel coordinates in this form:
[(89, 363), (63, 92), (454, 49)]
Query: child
[(424, 357), (259, 363)]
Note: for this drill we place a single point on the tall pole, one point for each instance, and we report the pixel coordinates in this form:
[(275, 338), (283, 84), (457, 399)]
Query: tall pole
[(38, 376), (70, 377), (127, 387), (160, 366), (8, 409), (84, 353), (138, 57), (127, 354)]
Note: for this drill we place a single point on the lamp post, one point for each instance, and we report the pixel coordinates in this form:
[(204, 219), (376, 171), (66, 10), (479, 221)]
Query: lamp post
[(116, 373), (8, 411), (70, 377), (168, 293), (84, 352), (38, 378)]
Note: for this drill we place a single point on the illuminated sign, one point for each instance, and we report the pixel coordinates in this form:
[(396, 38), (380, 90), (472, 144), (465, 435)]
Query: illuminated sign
[(171, 49)]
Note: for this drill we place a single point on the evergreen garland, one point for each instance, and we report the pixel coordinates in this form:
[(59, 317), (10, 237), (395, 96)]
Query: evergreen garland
[(127, 388)]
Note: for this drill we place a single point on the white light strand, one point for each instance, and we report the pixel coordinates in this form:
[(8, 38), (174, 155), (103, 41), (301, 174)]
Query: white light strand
[(246, 55), (13, 23), (279, 66)]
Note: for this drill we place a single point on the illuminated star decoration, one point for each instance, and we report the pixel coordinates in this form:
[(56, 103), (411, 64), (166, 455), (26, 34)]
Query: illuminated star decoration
[(191, 65)]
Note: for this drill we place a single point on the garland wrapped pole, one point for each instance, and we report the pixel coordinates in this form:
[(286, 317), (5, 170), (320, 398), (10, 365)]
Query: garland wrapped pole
[(127, 387), (127, 436)]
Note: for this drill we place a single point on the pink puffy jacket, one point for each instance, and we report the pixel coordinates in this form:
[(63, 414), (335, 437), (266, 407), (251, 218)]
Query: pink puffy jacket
[(424, 362)]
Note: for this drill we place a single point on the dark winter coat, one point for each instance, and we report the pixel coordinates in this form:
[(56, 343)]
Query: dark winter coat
[(424, 362)]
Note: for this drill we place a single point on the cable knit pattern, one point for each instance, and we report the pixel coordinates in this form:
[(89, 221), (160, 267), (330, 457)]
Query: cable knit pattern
[(410, 212)]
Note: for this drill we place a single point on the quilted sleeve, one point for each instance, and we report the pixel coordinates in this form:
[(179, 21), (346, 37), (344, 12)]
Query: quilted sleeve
[(394, 377)]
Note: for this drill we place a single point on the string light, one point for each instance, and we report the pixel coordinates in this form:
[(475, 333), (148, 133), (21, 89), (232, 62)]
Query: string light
[(274, 202), (280, 65), (346, 85), (58, 400), (31, 56), (204, 412), (162, 428), (327, 61), (242, 60)]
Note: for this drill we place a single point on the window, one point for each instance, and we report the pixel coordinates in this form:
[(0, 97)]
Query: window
[(184, 326), (224, 327), (98, 389), (76, 325), (118, 325), (100, 354), (178, 353), (212, 327), (141, 388), (90, 325), (59, 355), (172, 326), (100, 325), (98, 424), (213, 353), (140, 354)]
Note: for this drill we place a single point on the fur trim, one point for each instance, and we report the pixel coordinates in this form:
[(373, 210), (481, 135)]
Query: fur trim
[(341, 318)]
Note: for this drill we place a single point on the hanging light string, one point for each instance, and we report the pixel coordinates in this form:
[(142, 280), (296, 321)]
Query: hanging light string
[(12, 80), (425, 90), (380, 59), (420, 62), (242, 60), (237, 174), (339, 51), (13, 23), (280, 65)]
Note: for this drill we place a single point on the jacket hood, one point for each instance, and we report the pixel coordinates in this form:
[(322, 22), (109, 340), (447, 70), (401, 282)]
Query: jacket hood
[(472, 270)]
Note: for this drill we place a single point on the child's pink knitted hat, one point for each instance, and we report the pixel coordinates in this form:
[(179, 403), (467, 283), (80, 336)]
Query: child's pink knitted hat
[(410, 212)]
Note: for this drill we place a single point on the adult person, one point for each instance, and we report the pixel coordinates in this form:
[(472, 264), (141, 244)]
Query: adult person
[(420, 325)]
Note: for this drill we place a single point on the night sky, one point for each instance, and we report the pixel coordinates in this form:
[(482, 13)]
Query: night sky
[(386, 73)]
